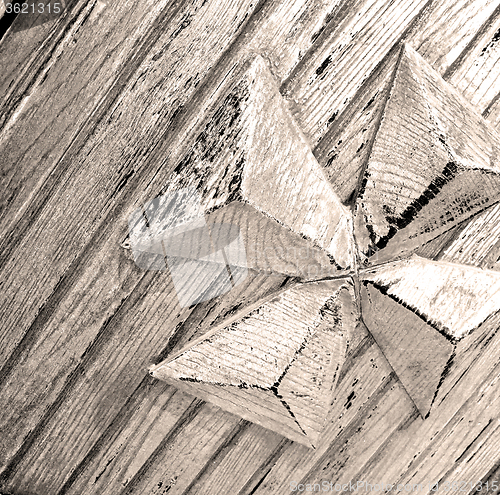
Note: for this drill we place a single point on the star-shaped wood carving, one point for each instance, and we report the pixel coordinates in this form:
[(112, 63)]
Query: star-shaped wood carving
[(413, 163)]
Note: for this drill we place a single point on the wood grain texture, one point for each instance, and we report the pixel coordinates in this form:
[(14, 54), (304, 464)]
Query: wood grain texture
[(346, 146), (453, 298), (399, 209), (253, 450), (417, 352), (292, 28), (478, 243), (151, 413), (445, 30), (475, 73), (281, 377), (288, 30), (76, 80), (365, 374), (24, 49), (272, 248), (61, 237), (342, 149), (199, 438), (359, 37)]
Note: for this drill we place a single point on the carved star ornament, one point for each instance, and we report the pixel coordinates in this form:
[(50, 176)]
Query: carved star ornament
[(411, 164)]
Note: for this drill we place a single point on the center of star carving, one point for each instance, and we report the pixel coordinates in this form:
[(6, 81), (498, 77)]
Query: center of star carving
[(345, 233)]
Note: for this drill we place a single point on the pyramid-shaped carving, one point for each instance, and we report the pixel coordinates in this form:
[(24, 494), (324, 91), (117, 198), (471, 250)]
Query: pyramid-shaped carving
[(251, 150), (277, 365), (432, 163), (415, 350), (453, 298)]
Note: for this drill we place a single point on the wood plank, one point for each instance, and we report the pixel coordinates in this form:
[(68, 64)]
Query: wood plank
[(128, 131), (478, 243), (345, 148), (364, 437), (445, 30), (417, 352), (296, 25), (148, 416), (453, 298), (355, 444), (203, 437), (358, 38), (62, 236), (126, 348), (475, 418), (255, 447), (475, 73), (25, 47), (72, 76), (414, 442)]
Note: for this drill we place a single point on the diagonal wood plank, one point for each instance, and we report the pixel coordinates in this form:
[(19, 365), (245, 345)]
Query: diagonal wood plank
[(446, 29), (76, 76), (475, 73), (126, 347), (478, 242)]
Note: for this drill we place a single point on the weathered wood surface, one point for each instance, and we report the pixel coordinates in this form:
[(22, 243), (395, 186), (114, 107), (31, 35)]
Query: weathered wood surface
[(478, 243), (272, 248), (445, 31), (364, 381), (467, 401), (53, 107), (291, 30), (52, 272), (362, 32), (476, 73), (346, 147), (417, 352)]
